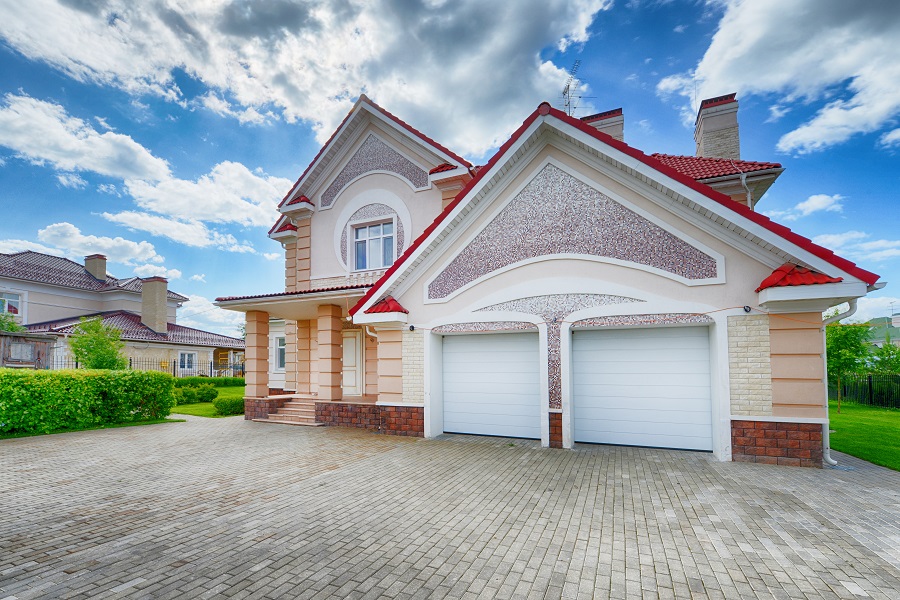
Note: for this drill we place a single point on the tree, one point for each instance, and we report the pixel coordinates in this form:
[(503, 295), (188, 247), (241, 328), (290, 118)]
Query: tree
[(97, 345), (848, 351), (9, 323), (887, 358)]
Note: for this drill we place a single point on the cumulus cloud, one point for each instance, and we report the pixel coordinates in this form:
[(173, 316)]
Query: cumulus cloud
[(189, 233), (813, 204), (156, 271), (837, 241), (13, 246), (71, 180), (856, 245), (200, 277), (272, 256), (829, 53), (72, 242), (199, 312), (43, 133), (880, 306), (310, 60)]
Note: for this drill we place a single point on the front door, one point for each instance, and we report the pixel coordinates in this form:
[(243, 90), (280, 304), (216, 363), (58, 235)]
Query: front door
[(352, 380)]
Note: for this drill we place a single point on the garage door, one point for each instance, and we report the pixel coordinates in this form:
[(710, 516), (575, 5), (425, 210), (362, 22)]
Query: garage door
[(642, 387), (492, 385)]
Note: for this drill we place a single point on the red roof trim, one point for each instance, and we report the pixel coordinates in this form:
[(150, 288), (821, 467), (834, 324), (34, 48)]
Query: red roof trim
[(398, 121), (387, 305), (299, 199), (616, 112), (339, 288), (792, 275), (718, 101), (543, 109), (441, 168), (703, 167), (282, 224)]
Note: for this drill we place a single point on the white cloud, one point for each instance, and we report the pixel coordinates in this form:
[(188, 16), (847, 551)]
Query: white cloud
[(43, 133), (157, 271), (201, 313), (813, 204), (680, 28), (72, 242), (836, 241), (201, 277), (880, 306), (71, 180), (418, 61), (812, 51), (109, 188), (230, 193), (891, 138), (189, 232), (13, 246), (271, 256), (851, 245)]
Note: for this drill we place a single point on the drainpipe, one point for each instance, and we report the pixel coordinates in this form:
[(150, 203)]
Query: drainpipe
[(744, 185), (826, 437)]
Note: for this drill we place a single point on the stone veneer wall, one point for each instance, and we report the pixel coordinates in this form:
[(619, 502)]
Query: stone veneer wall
[(723, 143), (749, 365), (790, 444), (259, 408), (391, 420), (556, 430), (413, 367)]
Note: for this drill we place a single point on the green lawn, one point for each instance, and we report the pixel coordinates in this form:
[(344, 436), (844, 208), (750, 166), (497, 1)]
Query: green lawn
[(867, 432), (206, 409)]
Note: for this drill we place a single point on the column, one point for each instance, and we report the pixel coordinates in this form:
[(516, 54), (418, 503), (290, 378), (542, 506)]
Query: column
[(304, 366), (257, 354), (390, 365), (330, 352)]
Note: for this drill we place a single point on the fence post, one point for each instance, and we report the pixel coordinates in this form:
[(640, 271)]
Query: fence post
[(174, 362), (871, 391), (210, 369)]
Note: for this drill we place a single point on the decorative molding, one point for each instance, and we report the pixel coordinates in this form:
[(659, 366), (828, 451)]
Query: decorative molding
[(374, 155), (648, 319), (556, 213), (485, 327)]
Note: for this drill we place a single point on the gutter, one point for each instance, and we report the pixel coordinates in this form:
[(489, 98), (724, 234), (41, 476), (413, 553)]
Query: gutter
[(826, 437)]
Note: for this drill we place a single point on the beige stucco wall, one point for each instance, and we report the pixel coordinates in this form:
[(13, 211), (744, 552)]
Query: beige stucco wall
[(749, 365), (798, 365), (413, 366)]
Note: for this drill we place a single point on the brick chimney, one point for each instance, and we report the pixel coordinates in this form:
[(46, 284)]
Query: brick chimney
[(95, 264), (716, 128), (154, 311), (611, 122)]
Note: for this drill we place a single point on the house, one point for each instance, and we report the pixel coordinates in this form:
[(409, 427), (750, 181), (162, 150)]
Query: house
[(49, 295), (573, 289)]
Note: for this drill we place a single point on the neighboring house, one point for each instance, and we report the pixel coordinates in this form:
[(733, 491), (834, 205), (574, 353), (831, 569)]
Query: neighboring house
[(882, 329), (573, 289), (49, 294)]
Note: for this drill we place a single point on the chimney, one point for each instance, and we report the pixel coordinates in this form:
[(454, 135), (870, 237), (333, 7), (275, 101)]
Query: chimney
[(153, 303), (95, 264), (716, 128), (611, 122)]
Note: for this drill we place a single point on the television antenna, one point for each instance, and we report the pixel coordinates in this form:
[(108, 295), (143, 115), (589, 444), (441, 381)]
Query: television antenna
[(568, 90)]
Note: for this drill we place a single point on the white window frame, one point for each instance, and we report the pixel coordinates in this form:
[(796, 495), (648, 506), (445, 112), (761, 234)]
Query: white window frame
[(351, 242), (19, 300), (280, 354), (182, 363)]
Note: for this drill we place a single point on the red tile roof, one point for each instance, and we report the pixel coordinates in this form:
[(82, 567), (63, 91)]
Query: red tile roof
[(53, 270), (132, 329), (387, 305), (400, 122), (700, 167), (543, 109), (299, 199), (358, 286), (441, 168), (791, 275)]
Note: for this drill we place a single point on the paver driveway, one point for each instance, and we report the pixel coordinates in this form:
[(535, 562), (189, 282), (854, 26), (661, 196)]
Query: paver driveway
[(228, 508)]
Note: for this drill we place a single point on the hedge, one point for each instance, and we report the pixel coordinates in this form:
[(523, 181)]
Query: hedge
[(192, 395), (229, 406), (216, 381), (45, 401)]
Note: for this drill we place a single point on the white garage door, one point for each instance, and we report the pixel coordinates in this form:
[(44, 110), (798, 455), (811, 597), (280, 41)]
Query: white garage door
[(643, 387), (492, 385)]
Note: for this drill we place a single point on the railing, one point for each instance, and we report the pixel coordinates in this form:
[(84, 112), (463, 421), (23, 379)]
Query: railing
[(173, 367), (873, 389)]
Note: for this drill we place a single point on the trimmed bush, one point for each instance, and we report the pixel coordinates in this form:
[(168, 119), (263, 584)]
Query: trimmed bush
[(187, 395), (45, 401), (214, 381), (229, 406), (206, 393)]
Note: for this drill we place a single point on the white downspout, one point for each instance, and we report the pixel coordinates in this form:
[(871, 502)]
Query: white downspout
[(826, 438)]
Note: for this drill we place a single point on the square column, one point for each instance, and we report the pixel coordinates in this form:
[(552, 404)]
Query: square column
[(390, 365), (330, 352), (304, 365), (257, 354)]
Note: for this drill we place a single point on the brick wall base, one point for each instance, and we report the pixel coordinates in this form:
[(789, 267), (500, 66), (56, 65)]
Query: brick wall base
[(556, 430), (791, 444), (276, 391), (259, 408), (390, 420)]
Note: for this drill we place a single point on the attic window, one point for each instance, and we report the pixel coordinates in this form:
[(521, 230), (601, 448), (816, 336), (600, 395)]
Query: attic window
[(374, 246)]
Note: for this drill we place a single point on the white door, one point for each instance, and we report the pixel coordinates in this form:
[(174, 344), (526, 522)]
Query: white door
[(642, 387), (491, 385), (352, 380)]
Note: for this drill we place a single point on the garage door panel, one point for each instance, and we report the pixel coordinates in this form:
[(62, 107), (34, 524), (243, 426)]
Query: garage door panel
[(645, 387), (492, 385)]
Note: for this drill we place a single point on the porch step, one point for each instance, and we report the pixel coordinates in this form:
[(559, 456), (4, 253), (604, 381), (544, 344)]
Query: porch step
[(281, 422), (297, 411)]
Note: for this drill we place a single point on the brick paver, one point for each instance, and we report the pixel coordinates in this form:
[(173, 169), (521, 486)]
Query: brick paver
[(233, 509)]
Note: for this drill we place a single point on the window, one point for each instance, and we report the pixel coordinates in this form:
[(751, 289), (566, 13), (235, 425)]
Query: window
[(10, 303), (186, 360), (280, 353), (374, 246)]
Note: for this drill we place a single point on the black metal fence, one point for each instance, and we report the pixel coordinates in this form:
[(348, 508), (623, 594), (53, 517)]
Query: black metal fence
[(873, 389), (176, 368)]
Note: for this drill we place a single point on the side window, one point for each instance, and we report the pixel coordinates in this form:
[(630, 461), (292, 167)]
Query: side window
[(280, 353), (373, 246), (10, 303)]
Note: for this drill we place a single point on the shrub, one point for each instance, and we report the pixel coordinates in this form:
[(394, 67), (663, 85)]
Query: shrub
[(97, 345), (45, 401), (8, 323), (186, 395), (205, 393), (229, 406), (215, 381)]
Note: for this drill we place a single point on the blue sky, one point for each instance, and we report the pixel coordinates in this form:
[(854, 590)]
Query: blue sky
[(164, 134)]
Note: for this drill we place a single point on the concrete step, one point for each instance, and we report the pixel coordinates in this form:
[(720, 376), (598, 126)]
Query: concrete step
[(283, 422), (303, 412)]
